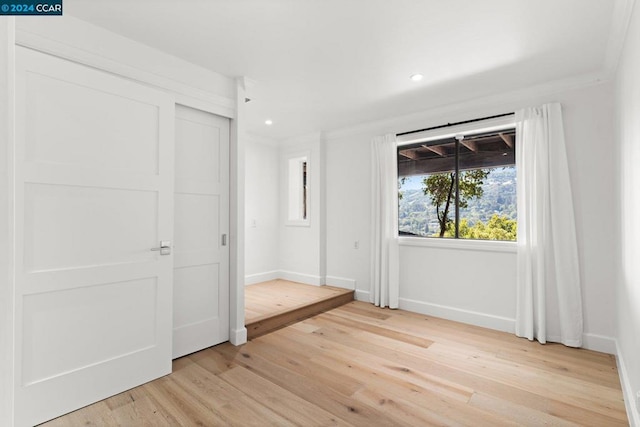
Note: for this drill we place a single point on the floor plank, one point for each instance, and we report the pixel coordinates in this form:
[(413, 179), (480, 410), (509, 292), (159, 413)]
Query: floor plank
[(295, 409), (365, 366)]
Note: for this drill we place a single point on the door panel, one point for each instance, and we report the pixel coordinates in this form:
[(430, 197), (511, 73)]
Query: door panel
[(201, 275), (200, 280), (55, 106), (53, 323), (56, 213), (196, 224), (94, 193), (198, 155)]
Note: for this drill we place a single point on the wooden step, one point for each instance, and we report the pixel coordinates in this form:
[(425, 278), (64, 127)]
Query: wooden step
[(270, 322)]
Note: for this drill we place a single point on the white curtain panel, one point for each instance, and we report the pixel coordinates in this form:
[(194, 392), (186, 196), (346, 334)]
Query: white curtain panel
[(384, 234), (549, 303)]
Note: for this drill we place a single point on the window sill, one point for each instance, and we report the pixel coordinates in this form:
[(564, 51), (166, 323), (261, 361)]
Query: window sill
[(299, 223), (469, 245)]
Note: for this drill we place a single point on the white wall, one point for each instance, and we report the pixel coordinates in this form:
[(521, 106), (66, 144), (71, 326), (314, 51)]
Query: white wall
[(628, 280), (348, 206), (468, 285), (275, 247), (301, 255), (262, 198), (475, 285)]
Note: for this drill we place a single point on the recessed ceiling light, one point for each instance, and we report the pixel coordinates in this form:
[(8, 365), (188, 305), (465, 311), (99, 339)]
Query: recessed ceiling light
[(268, 122), (416, 77)]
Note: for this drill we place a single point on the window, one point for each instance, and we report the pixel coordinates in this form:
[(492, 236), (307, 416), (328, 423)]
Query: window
[(298, 204), (459, 185)]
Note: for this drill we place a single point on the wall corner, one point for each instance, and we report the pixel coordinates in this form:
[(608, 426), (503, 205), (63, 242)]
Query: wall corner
[(236, 216)]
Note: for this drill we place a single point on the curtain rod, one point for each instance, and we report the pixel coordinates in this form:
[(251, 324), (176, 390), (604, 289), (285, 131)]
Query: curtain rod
[(455, 124)]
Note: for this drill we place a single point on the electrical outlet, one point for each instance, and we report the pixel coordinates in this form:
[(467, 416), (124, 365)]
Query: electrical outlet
[(356, 245), (254, 223)]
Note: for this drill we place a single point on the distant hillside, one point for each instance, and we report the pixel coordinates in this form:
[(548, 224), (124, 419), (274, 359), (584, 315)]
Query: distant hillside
[(418, 216)]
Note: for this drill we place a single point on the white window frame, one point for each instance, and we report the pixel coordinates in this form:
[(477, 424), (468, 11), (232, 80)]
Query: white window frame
[(466, 129), (295, 193)]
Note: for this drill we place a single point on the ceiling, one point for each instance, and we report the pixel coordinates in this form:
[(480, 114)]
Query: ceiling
[(322, 65)]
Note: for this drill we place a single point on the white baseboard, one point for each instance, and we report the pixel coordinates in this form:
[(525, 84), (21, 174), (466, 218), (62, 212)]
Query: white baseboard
[(599, 343), (238, 336), (459, 315), (633, 413), (308, 279), (341, 282), (593, 342), (362, 295), (252, 279)]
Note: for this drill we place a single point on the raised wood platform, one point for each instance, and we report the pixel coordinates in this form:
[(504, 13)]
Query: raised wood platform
[(278, 303)]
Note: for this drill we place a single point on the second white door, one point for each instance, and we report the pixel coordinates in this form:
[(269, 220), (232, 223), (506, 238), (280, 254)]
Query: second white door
[(201, 251)]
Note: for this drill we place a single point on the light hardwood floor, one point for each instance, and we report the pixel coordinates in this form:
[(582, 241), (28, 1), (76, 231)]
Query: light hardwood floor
[(361, 365)]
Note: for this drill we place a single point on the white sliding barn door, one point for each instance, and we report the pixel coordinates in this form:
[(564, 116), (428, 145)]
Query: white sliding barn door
[(94, 195), (201, 274)]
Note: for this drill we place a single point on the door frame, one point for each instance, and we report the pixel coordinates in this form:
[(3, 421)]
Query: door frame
[(61, 41), (7, 137)]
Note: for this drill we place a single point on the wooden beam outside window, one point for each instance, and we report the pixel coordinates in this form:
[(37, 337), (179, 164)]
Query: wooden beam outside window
[(470, 144), (438, 149), (409, 154), (508, 139)]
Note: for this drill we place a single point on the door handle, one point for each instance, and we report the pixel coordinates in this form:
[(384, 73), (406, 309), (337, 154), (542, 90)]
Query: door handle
[(224, 240), (165, 247)]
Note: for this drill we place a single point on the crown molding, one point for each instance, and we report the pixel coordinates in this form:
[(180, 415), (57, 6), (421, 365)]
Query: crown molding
[(620, 21), (469, 109), (302, 139), (254, 138)]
